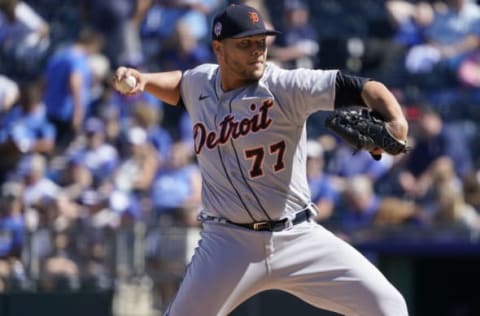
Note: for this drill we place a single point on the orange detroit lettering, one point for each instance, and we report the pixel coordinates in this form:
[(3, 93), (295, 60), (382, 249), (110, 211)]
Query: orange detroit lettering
[(231, 128)]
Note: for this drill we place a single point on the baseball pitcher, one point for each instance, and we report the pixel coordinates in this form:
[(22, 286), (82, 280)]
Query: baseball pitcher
[(249, 126)]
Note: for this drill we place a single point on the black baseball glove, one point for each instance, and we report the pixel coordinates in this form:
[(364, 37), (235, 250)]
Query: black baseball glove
[(364, 129)]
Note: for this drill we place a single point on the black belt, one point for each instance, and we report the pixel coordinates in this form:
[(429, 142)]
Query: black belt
[(275, 226)]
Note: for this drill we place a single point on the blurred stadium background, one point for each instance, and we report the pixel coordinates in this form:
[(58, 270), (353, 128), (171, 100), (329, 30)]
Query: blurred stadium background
[(99, 192)]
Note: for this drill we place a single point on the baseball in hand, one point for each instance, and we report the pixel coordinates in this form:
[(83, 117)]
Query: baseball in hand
[(126, 84)]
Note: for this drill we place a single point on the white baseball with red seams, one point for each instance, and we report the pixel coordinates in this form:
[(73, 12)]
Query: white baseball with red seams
[(126, 84)]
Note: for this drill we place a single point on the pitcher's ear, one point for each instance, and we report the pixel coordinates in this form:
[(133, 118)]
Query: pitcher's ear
[(217, 47)]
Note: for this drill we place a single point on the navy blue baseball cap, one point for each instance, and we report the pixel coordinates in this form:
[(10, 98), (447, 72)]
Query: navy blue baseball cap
[(237, 21)]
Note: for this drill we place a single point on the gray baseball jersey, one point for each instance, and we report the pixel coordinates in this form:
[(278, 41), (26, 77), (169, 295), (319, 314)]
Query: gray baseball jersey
[(250, 142)]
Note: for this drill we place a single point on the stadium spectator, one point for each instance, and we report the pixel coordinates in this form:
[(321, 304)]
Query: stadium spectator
[(362, 207), (360, 203), (186, 129), (445, 199), (38, 189), (162, 18), (118, 22), (68, 79), (155, 27), (297, 46), (345, 162), (384, 56), (97, 213), (125, 105), (471, 190), (136, 173), (99, 157), (183, 50), (107, 216), (97, 273), (24, 37), (9, 93), (73, 176), (27, 123), (469, 70), (194, 12), (12, 223), (176, 188), (60, 272), (394, 212), (452, 36), (322, 191), (25, 129), (151, 120), (137, 170), (99, 65), (409, 20), (434, 140), (111, 117)]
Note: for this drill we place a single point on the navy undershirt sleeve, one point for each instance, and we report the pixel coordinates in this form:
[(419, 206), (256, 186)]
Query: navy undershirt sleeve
[(348, 90)]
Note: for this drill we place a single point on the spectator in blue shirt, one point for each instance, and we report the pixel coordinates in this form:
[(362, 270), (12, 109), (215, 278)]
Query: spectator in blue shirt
[(150, 119), (297, 45), (434, 141), (118, 22), (28, 124), (25, 129), (322, 190), (361, 204), (163, 16), (383, 57), (452, 36), (99, 157), (183, 50), (409, 20), (177, 186), (68, 83), (345, 163), (12, 226)]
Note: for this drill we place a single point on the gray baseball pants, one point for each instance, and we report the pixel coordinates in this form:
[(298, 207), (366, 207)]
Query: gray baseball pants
[(232, 264)]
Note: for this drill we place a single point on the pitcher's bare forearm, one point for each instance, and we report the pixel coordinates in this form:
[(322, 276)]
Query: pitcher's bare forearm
[(164, 85), (380, 99)]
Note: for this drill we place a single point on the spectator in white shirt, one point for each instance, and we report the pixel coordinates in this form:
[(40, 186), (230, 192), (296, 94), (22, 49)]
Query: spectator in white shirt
[(38, 188)]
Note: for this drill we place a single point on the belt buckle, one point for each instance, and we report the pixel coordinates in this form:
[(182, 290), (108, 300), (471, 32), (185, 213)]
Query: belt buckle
[(258, 225)]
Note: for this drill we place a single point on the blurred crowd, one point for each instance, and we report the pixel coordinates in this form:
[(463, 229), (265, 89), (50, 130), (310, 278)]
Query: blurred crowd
[(83, 166)]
